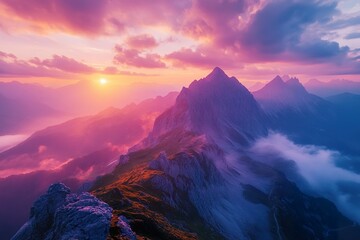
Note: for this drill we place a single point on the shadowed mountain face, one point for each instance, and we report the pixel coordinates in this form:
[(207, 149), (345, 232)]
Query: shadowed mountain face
[(278, 95), (307, 118), (196, 175), (219, 107)]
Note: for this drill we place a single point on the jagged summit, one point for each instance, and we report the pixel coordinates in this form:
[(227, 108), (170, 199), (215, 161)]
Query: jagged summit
[(278, 88), (277, 79), (279, 94), (217, 74), (275, 83), (216, 79), (214, 106), (279, 85)]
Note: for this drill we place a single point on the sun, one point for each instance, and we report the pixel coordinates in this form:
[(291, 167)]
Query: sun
[(103, 81)]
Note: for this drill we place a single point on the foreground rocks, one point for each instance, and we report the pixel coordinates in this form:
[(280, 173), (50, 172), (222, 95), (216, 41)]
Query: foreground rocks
[(58, 214)]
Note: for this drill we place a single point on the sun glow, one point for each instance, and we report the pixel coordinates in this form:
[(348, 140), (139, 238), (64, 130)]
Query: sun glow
[(103, 81)]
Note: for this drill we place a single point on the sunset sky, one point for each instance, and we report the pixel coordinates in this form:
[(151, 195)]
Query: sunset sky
[(55, 42)]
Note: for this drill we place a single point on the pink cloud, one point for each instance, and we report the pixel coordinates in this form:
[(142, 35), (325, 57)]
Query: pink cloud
[(63, 63), (13, 67), (133, 57), (4, 55), (250, 31), (197, 28), (142, 41), (57, 67), (111, 70), (202, 57), (93, 17), (83, 16)]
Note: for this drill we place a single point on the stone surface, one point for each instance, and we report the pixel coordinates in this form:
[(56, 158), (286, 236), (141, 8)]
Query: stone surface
[(58, 214)]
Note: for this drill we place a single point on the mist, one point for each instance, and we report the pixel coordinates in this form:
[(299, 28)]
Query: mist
[(8, 141), (314, 170)]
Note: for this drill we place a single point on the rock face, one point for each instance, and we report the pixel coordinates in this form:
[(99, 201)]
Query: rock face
[(58, 214), (216, 106), (194, 174)]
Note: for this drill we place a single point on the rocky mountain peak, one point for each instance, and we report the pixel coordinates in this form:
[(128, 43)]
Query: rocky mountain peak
[(277, 82), (215, 106), (279, 89), (217, 74)]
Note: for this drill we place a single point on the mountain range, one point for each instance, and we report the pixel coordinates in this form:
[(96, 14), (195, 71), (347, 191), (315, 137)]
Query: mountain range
[(28, 114), (333, 87), (61, 153), (198, 172)]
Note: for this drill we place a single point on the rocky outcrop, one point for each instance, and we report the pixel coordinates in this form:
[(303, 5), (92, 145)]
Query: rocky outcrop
[(58, 214)]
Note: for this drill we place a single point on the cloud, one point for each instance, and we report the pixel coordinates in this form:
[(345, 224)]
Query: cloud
[(64, 67), (353, 35), (142, 41), (133, 57), (111, 70), (91, 17), (316, 166), (8, 141), (277, 30), (257, 31), (4, 55), (321, 51), (21, 68), (80, 16), (201, 58), (57, 67), (63, 63), (344, 22)]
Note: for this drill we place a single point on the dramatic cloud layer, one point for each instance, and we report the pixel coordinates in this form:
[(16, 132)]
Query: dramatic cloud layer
[(316, 166), (318, 36), (83, 16), (57, 66)]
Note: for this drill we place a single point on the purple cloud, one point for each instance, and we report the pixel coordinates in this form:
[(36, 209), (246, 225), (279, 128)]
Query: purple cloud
[(201, 58), (57, 67), (82, 16), (353, 35), (64, 64), (133, 57), (142, 41)]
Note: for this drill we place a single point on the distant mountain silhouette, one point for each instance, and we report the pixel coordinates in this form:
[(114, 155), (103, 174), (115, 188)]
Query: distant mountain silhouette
[(83, 97), (78, 150), (18, 116), (333, 87)]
